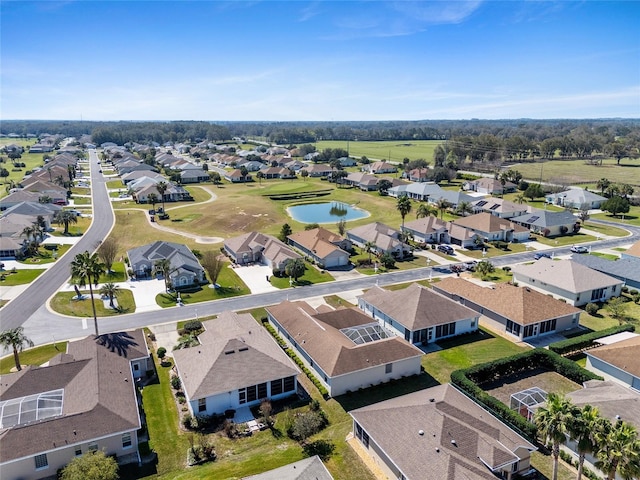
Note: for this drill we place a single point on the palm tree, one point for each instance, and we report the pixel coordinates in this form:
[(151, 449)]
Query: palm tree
[(65, 217), (295, 268), (552, 421), (163, 266), (520, 198), (603, 184), (617, 449), (16, 339), (162, 187), (369, 247), (30, 232), (442, 205), (463, 208), (152, 198), (86, 269), (581, 428), (403, 205), (424, 210), (110, 290)]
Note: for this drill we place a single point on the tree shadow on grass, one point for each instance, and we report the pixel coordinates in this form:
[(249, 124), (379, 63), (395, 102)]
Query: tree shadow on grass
[(460, 340), (393, 388)]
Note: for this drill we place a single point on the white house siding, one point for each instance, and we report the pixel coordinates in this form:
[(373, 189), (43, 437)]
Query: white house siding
[(575, 299), (390, 471), (217, 404), (610, 372), (335, 259), (373, 376), (25, 468)]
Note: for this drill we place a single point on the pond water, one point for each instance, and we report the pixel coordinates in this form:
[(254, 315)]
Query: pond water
[(327, 212)]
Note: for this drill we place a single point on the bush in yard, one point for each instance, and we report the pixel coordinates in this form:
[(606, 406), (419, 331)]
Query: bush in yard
[(387, 261), (192, 326), (161, 352), (633, 292), (175, 382), (625, 289), (591, 308), (584, 341), (307, 424)]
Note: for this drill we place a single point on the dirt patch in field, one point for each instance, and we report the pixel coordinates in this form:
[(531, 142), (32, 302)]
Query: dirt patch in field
[(546, 380)]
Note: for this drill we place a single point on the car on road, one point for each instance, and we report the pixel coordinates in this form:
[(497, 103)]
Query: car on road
[(448, 249), (539, 255), (579, 249), (471, 266)]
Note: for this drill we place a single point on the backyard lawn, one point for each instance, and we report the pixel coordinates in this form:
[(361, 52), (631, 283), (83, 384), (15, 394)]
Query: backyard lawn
[(33, 356)]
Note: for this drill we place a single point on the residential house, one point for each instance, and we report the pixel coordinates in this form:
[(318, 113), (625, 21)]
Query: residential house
[(438, 433), (185, 269), (278, 172), (626, 268), (237, 364), (361, 180), (576, 198), (57, 194), (310, 468), (318, 170), (568, 280), (256, 247), (294, 165), (47, 210), (418, 191), (174, 193), (252, 166), (84, 400), (344, 348), (380, 167), (419, 175), (384, 238), (18, 196), (418, 314), (499, 207), (133, 176), (618, 361), (548, 223), (326, 248), (235, 176), (347, 162), (453, 198), (489, 228), (427, 230), (41, 148), (489, 186), (521, 312), (193, 175)]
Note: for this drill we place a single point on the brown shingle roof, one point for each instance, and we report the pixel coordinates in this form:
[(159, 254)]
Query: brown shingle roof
[(417, 307), (633, 250), (235, 352), (459, 441), (522, 305), (566, 274), (99, 395), (318, 240), (485, 222), (624, 354), (320, 336)]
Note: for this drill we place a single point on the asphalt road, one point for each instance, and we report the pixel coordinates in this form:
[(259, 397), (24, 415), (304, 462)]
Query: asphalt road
[(20, 309), (43, 326)]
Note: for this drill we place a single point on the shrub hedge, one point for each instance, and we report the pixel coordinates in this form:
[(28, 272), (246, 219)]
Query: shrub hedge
[(584, 341), (468, 380)]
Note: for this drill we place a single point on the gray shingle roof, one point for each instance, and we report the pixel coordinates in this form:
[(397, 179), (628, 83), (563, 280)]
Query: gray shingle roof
[(417, 307), (565, 274), (611, 399), (235, 352), (627, 268), (99, 395), (459, 441), (546, 218), (308, 469)]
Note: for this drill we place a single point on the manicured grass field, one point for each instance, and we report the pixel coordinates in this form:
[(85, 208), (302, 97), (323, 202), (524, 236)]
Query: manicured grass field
[(75, 229), (65, 304), (606, 229), (117, 274), (45, 255), (394, 151), (570, 172), (564, 240), (21, 277), (311, 276), (33, 356), (631, 218)]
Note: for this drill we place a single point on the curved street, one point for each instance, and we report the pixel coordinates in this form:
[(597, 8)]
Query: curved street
[(43, 326)]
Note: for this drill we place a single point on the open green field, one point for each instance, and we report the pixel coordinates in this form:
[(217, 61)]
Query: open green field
[(394, 151), (631, 218), (31, 161), (570, 172)]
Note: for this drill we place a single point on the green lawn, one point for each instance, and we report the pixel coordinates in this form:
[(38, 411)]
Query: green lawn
[(112, 184), (569, 172), (492, 251), (33, 356), (45, 255), (117, 274), (564, 240), (607, 256), (81, 200), (65, 304), (631, 218), (21, 277), (394, 151), (311, 276), (465, 351), (606, 229), (75, 229)]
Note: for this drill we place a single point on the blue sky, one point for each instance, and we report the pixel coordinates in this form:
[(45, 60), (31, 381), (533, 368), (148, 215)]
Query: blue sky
[(326, 60)]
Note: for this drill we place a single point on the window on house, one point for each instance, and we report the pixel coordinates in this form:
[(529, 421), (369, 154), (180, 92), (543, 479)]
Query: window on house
[(388, 368), (41, 461), (93, 447), (78, 451), (528, 331), (289, 384), (597, 293), (276, 387), (242, 396), (202, 405), (262, 390), (445, 330), (136, 367), (126, 440), (362, 435)]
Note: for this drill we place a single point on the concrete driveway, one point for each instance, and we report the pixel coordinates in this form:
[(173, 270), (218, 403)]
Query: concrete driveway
[(255, 277)]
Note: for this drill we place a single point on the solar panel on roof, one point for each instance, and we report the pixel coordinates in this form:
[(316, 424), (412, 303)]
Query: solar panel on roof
[(533, 219), (481, 203), (493, 207)]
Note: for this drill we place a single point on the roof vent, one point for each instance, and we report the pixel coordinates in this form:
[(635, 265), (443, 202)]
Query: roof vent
[(437, 449), (229, 352), (432, 400), (453, 442), (420, 432), (243, 349), (618, 417)]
